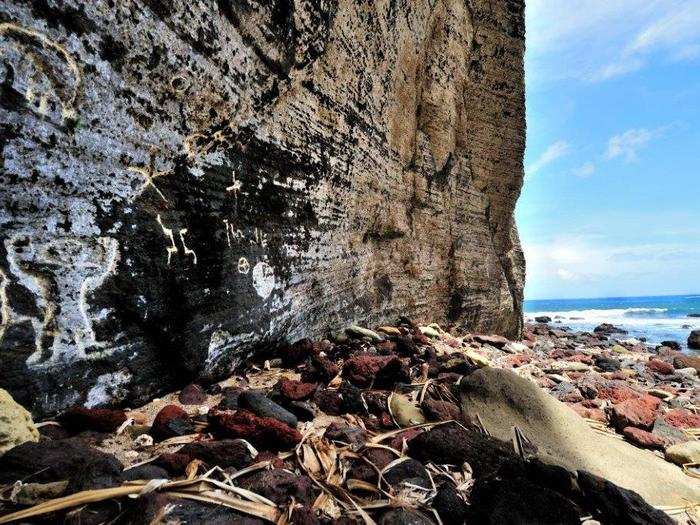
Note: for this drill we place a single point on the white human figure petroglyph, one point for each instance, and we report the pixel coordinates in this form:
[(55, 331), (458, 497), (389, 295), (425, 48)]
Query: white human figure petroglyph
[(61, 273)]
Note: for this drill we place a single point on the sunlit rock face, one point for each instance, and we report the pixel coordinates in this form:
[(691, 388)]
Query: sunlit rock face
[(184, 182)]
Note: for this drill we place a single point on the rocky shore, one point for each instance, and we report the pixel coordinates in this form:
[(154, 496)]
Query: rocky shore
[(402, 424)]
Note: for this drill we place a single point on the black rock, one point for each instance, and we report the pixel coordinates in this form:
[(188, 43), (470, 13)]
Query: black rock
[(224, 453), (410, 471), (346, 434), (352, 399), (147, 471), (694, 340), (612, 504), (229, 398), (280, 486), (671, 344), (57, 460), (302, 410), (504, 499), (402, 516), (263, 406), (543, 319), (450, 505), (608, 364)]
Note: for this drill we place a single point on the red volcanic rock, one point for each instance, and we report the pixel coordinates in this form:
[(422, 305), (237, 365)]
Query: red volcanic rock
[(643, 438), (660, 367), (294, 354), (682, 418), (517, 360), (366, 370), (397, 441), (171, 421), (581, 358), (263, 432), (632, 413), (329, 401), (295, 390), (77, 419)]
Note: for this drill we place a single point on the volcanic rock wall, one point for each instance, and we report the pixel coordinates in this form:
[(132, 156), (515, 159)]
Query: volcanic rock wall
[(184, 181)]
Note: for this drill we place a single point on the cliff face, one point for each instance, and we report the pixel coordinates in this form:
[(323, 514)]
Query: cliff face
[(185, 181)]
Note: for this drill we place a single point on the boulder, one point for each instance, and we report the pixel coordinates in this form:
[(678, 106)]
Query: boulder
[(16, 425), (683, 453), (188, 182), (503, 400), (694, 340)]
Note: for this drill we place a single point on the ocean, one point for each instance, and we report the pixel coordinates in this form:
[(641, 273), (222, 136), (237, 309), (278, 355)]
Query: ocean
[(657, 319)]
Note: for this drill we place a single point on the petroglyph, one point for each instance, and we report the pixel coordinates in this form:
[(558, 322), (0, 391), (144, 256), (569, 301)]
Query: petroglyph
[(263, 279), (243, 265), (21, 38), (168, 232), (185, 248), (61, 273), (149, 174)]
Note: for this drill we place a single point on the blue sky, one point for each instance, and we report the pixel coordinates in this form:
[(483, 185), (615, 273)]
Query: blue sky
[(611, 201)]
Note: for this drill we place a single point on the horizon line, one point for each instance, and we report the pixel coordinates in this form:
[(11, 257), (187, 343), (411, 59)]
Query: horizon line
[(615, 297)]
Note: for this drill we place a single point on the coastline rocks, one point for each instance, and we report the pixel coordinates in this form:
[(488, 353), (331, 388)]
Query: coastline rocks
[(682, 418), (543, 319), (16, 425), (694, 340), (643, 438), (608, 329), (687, 361), (684, 453), (660, 367), (503, 400)]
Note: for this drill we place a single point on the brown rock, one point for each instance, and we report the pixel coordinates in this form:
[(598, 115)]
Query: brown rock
[(224, 453), (78, 419), (441, 410), (687, 361), (660, 367), (192, 394), (643, 438), (171, 421), (493, 340), (365, 371)]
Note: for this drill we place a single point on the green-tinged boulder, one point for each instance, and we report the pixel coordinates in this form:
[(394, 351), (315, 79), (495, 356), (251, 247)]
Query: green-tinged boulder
[(404, 411), (16, 425), (684, 453)]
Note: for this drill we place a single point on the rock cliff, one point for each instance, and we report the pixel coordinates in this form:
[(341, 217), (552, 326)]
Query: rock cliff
[(185, 181)]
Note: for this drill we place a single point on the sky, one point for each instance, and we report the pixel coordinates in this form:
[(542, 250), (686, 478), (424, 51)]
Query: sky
[(611, 201)]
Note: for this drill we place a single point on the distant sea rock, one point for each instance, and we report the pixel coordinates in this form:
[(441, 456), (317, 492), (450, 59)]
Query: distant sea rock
[(693, 315), (694, 340)]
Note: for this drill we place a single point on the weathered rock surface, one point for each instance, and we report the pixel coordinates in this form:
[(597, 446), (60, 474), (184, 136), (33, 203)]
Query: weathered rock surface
[(16, 425), (182, 182), (503, 400)]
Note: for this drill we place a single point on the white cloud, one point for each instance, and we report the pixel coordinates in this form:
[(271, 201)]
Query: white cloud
[(597, 40), (554, 152), (627, 144), (585, 170), (589, 266)]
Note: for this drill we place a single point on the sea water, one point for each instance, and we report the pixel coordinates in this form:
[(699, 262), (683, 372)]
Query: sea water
[(657, 319)]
